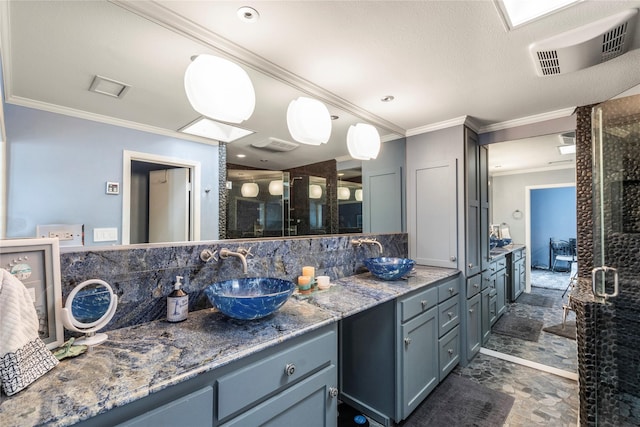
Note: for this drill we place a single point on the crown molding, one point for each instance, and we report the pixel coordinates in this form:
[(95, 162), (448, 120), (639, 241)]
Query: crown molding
[(557, 114), (440, 125), (166, 18), (72, 112), (534, 170)]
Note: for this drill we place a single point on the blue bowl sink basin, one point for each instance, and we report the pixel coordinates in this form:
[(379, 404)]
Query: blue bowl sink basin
[(388, 268), (249, 298)]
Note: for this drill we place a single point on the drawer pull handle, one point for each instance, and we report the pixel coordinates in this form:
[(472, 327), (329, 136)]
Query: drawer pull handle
[(450, 314), (487, 278), (424, 303), (470, 265), (333, 392), (450, 351), (290, 369), (407, 341), (471, 310), (453, 258), (493, 312), (476, 285), (450, 290)]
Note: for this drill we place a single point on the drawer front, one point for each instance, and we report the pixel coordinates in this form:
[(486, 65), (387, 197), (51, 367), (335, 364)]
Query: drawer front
[(517, 255), (474, 285), (419, 303), (250, 383), (449, 289), (501, 263), (486, 279), (449, 347), (448, 315)]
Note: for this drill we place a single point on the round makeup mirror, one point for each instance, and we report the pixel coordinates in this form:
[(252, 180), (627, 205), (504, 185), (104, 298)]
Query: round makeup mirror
[(89, 307)]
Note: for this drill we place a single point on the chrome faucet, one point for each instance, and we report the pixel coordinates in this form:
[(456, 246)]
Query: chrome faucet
[(224, 253), (360, 242)]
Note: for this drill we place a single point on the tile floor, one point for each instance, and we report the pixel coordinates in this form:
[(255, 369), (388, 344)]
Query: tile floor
[(541, 398)]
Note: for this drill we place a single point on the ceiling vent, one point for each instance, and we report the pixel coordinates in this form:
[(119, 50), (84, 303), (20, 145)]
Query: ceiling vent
[(585, 46), (568, 138), (275, 144)]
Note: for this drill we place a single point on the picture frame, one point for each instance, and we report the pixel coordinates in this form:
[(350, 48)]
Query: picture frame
[(36, 263)]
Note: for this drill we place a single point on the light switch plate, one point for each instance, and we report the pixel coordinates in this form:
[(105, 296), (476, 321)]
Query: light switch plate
[(109, 234)]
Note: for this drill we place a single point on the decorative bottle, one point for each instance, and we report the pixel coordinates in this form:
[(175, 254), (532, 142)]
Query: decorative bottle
[(177, 303)]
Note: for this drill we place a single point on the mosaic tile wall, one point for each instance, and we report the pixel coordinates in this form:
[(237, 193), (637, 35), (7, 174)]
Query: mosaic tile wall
[(608, 366), (142, 277)]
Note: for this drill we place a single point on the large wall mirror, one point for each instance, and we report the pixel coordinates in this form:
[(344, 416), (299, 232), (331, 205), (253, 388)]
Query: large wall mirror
[(67, 142)]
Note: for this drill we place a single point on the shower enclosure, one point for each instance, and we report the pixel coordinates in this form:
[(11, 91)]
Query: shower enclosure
[(615, 314)]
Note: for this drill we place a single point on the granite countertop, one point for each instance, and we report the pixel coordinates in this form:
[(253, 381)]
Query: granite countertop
[(143, 359), (496, 253)]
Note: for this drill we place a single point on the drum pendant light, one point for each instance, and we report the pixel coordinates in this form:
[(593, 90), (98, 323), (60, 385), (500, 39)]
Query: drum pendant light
[(363, 141), (315, 191), (276, 187), (344, 193), (309, 121), (219, 89)]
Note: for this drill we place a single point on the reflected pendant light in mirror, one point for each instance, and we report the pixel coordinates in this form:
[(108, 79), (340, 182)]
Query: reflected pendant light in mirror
[(359, 194), (344, 193), (363, 141), (219, 89), (276, 187), (315, 191), (309, 121), (249, 189)]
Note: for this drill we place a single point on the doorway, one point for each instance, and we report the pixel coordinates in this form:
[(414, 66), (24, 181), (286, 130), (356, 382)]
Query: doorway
[(161, 199)]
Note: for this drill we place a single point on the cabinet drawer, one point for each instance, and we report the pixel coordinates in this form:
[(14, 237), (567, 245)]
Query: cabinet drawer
[(250, 383), (448, 289), (449, 348), (486, 279), (448, 316), (418, 303), (474, 285), (501, 263), (516, 255)]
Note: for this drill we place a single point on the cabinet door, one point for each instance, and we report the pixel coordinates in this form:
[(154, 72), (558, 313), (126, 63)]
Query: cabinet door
[(382, 202), (474, 326), (501, 289), (420, 366), (195, 409), (310, 403), (432, 214), (483, 183), (472, 198), (485, 317)]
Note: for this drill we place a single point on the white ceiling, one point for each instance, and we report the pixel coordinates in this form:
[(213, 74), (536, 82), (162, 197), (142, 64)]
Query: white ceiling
[(441, 60)]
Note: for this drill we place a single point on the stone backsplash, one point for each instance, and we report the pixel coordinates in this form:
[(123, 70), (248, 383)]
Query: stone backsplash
[(142, 276)]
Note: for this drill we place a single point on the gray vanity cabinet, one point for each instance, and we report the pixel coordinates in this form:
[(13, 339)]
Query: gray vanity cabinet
[(517, 274), (292, 383), (393, 355), (474, 325), (500, 283)]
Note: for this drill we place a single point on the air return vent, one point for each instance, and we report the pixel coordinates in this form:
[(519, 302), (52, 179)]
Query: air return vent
[(275, 144), (585, 46)]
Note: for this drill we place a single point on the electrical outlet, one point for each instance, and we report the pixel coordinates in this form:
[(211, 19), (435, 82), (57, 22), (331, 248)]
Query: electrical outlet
[(67, 234)]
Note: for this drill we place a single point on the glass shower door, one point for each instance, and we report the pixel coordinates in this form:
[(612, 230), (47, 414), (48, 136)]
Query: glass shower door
[(616, 276)]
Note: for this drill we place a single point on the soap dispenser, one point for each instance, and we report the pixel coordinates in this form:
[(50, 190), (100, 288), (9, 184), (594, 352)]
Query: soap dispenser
[(177, 303)]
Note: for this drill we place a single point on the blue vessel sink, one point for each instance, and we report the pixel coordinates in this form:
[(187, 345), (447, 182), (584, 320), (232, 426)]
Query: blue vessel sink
[(249, 298), (389, 268)]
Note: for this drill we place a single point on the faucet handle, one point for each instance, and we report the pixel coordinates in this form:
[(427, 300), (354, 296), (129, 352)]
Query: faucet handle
[(207, 254), (356, 242), (246, 252)]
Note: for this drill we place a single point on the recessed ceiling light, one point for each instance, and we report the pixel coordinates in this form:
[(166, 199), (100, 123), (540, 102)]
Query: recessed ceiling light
[(242, 156), (387, 98), (264, 160), (248, 14), (211, 129), (334, 117)]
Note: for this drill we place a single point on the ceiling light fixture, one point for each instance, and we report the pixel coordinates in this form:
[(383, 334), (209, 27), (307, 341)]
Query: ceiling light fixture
[(219, 89), (211, 129), (242, 156), (309, 121), (315, 191), (276, 187), (248, 14), (359, 194), (566, 149), (344, 193), (518, 12), (249, 189), (110, 87), (363, 141)]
